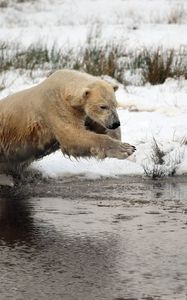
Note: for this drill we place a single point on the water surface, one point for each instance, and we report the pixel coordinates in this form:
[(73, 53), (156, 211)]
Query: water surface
[(75, 239)]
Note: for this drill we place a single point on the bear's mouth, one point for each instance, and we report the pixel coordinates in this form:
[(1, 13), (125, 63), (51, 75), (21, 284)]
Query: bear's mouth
[(94, 126)]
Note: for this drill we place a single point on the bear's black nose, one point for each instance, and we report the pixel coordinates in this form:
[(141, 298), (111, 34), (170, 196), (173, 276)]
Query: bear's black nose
[(115, 125)]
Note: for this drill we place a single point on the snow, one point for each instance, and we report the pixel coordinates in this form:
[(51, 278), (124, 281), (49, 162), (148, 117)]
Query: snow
[(140, 23), (147, 113)]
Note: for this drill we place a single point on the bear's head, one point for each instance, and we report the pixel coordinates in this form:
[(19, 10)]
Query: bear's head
[(99, 103)]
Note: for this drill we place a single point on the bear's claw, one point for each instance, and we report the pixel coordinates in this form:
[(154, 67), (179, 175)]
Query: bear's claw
[(119, 150)]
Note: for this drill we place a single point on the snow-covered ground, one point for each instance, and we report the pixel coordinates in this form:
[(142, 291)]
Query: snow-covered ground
[(139, 22), (147, 113)]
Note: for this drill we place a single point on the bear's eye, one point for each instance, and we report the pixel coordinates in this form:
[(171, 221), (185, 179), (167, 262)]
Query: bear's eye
[(104, 106)]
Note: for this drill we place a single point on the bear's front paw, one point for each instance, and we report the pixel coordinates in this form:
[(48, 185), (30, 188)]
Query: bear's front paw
[(119, 150)]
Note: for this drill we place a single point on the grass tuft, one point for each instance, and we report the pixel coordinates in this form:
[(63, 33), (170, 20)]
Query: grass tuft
[(162, 163), (4, 3), (155, 169), (176, 15), (158, 65)]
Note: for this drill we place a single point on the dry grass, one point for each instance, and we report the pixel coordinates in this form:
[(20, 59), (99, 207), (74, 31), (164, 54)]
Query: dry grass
[(158, 65), (162, 163), (110, 59), (156, 168), (24, 1), (101, 60), (184, 141), (176, 15), (6, 3), (2, 83), (94, 59)]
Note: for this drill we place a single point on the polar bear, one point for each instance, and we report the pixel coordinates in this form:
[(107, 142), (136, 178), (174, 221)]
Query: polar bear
[(71, 111)]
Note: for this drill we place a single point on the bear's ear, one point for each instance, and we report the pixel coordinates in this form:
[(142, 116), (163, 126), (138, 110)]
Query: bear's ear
[(80, 100), (115, 87), (86, 93)]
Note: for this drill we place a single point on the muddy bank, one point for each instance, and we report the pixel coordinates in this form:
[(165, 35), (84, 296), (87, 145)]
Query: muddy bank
[(75, 239)]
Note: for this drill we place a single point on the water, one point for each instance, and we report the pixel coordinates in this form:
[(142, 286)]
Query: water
[(75, 239)]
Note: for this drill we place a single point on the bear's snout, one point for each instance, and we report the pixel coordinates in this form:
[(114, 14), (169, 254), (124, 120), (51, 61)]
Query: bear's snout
[(113, 121), (115, 125)]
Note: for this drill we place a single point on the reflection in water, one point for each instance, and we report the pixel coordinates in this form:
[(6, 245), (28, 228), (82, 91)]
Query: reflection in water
[(16, 222), (39, 260), (131, 243)]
